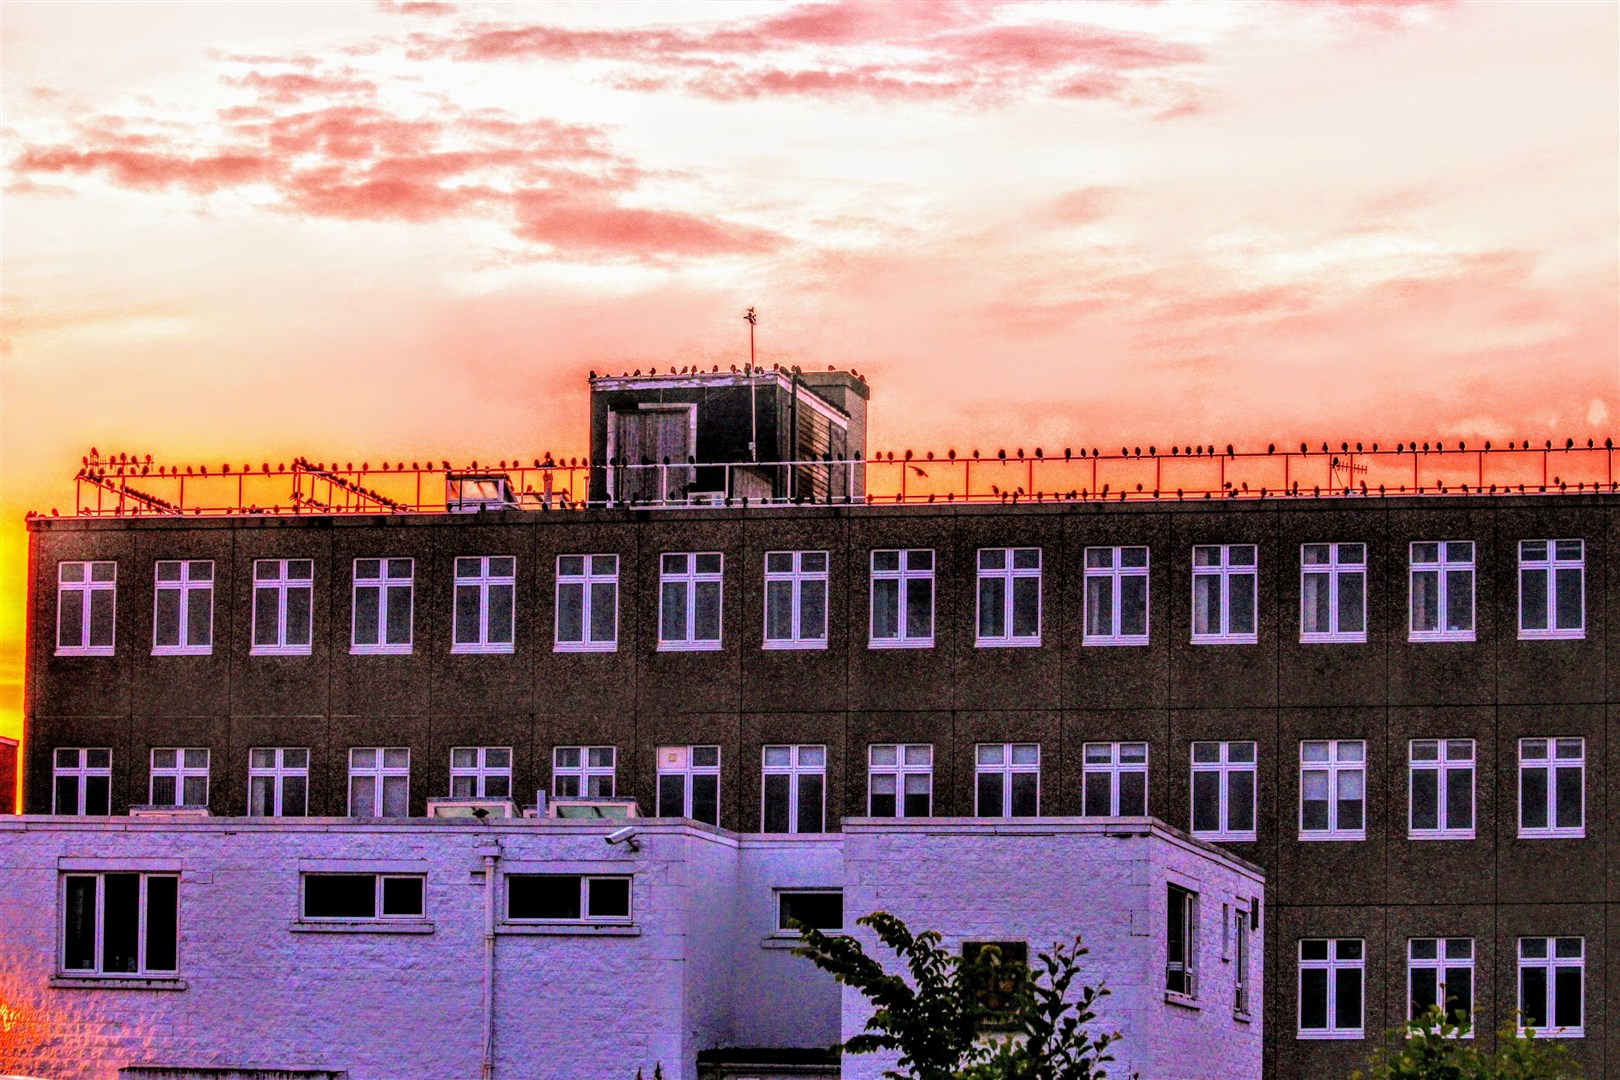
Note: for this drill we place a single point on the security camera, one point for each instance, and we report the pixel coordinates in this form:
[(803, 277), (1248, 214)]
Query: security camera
[(626, 835)]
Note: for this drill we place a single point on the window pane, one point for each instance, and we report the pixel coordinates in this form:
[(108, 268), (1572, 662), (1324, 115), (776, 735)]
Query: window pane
[(294, 796), (608, 897), (542, 896), (778, 610), (1242, 605), (367, 616), (989, 795), (166, 629), (1352, 603), (399, 615), (396, 796), (813, 610), (1206, 802), (672, 611), (362, 796), (1533, 599), (1206, 604), (1459, 992), (885, 608), (1459, 600), (195, 791), (402, 896), (298, 615), (1425, 799), (467, 607), (1425, 990), (97, 795), (1568, 797), (1133, 794), (266, 616), (1133, 605), (1240, 801), (885, 560), (777, 793), (1099, 607), (1313, 800), (1025, 794), (1098, 795), (604, 611), (1347, 998), (883, 790), (708, 564), (79, 925), (920, 607), (707, 621), (570, 612), (992, 613), (1567, 997), (1425, 600), (919, 796), (1314, 604), (1313, 1000), (1460, 799), (1533, 798), (811, 793), (1533, 996), (1351, 799), (162, 923), (706, 799), (1026, 607), (120, 924), (671, 795), (101, 617), (1569, 599), (821, 910), (500, 614)]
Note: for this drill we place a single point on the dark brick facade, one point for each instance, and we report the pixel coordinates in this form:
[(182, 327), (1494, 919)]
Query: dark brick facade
[(1169, 693)]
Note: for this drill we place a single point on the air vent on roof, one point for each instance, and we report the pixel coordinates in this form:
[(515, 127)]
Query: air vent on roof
[(169, 811), (471, 808), (592, 808)]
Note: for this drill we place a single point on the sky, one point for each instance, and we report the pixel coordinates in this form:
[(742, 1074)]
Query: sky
[(246, 232)]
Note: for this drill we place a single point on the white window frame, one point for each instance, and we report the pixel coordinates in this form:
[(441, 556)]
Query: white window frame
[(484, 579), (377, 900), (585, 915), (380, 772), (1557, 757), (1332, 965), (1189, 932), (1441, 963), (1449, 560), (796, 575), (900, 771), (1341, 761), (689, 579), (278, 773), (185, 584), (904, 575), (1339, 566), (1224, 571), (586, 579), (1551, 963), (1009, 573), (384, 581), (1549, 566), (141, 920), (586, 774), (1242, 962), (1446, 764), (480, 772), (82, 591), (1115, 575), (1093, 765), (688, 770), (282, 585), (1006, 768), (81, 772), (1225, 767), (802, 762), (181, 771)]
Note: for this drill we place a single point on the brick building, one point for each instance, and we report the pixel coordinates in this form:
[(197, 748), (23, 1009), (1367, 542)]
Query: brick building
[(1398, 704)]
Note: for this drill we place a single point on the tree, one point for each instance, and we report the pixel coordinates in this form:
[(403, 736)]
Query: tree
[(936, 1016), (1431, 1047)]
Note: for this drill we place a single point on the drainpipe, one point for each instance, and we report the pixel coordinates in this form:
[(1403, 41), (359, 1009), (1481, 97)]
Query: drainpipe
[(491, 853)]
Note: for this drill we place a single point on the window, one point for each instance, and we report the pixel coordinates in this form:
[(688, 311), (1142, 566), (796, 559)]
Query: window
[(582, 771), (379, 781), (278, 781), (179, 776), (362, 896), (1223, 790), (481, 772), (1552, 787), (1181, 943), (1442, 603), (996, 970), (1333, 592), (819, 909), (382, 605), (86, 593), (587, 603), (486, 595), (1114, 779), (81, 781), (1224, 581), (795, 600), (1552, 974), (689, 601), (1333, 789), (1240, 961), (1008, 779), (568, 898), (689, 782), (1116, 596), (120, 924), (903, 599), (283, 592), (1440, 973), (1009, 596), (183, 608), (1330, 988), (1552, 589), (795, 789), (1442, 789), (900, 780)]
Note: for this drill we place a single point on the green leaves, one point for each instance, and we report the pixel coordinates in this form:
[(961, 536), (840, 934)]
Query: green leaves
[(1433, 1047), (935, 1017)]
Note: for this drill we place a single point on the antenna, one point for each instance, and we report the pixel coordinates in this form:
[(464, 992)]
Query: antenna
[(753, 393)]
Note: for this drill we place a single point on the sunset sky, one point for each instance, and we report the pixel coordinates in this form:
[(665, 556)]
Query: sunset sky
[(243, 232)]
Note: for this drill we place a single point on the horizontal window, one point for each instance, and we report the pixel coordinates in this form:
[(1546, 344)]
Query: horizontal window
[(120, 924), (362, 896), (819, 909), (567, 897)]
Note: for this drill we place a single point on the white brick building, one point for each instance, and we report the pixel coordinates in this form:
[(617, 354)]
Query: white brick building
[(337, 948)]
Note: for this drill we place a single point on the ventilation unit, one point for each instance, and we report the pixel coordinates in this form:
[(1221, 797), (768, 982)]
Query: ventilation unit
[(471, 808)]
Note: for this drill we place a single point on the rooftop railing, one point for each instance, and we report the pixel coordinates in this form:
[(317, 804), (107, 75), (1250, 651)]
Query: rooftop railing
[(127, 485)]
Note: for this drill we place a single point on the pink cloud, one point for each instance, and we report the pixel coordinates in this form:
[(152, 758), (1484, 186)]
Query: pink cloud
[(571, 222)]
